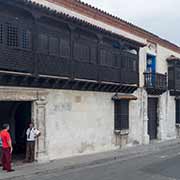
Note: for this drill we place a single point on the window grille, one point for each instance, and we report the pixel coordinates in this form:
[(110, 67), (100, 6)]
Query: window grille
[(53, 46), (43, 43), (121, 115), (93, 55), (81, 52), (12, 35), (1, 33), (64, 48), (177, 111), (26, 39)]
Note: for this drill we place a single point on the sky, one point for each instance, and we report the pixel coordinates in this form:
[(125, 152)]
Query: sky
[(161, 17)]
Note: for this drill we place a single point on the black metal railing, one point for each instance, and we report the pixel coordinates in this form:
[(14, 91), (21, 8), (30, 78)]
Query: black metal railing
[(155, 81)]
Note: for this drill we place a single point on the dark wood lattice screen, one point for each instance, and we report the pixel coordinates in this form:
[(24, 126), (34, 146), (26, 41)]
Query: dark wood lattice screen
[(64, 48), (121, 115), (1, 33), (178, 111), (43, 43), (26, 39), (12, 35), (53, 46)]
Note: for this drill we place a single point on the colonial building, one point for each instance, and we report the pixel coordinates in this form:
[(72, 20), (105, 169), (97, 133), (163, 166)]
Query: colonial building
[(91, 82)]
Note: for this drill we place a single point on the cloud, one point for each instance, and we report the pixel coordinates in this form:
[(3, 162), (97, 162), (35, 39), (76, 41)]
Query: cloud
[(161, 17)]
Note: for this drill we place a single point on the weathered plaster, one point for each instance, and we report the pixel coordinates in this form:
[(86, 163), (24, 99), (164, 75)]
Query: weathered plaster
[(138, 118), (79, 122), (38, 98)]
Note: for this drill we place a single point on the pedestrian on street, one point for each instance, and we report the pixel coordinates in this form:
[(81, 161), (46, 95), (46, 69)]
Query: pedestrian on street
[(6, 148), (0, 148), (32, 134)]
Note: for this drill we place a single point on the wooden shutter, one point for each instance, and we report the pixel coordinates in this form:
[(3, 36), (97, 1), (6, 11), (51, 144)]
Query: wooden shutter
[(178, 111), (64, 47), (1, 33), (53, 46), (26, 39), (43, 43), (121, 115)]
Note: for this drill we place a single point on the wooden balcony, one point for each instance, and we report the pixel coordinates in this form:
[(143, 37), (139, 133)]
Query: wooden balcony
[(57, 51), (155, 83)]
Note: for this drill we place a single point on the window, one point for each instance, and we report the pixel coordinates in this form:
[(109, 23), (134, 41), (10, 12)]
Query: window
[(12, 35), (121, 115), (93, 55), (134, 65), (103, 57), (119, 60), (26, 39), (130, 64), (177, 111), (81, 52), (177, 75), (107, 58), (151, 63), (53, 46), (1, 33), (64, 48), (115, 60), (43, 43), (124, 62)]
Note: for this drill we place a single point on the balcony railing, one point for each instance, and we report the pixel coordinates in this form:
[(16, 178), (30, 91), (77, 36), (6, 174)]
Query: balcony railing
[(155, 83)]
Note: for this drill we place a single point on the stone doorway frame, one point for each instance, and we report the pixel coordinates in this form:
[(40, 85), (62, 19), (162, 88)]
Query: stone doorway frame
[(38, 97)]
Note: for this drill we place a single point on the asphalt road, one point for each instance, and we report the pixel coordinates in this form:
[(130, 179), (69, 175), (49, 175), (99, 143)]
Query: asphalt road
[(163, 165)]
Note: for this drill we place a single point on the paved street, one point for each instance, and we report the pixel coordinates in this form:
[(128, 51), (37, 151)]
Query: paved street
[(163, 165)]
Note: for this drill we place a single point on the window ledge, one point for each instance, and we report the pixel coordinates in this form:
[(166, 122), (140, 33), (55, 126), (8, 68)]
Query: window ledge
[(178, 125), (121, 132)]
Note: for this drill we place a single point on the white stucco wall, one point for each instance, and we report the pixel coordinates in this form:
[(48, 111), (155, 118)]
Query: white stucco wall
[(83, 122), (166, 117), (136, 116), (79, 122)]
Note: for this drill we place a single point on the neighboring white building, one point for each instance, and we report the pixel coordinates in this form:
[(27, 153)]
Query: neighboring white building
[(75, 122)]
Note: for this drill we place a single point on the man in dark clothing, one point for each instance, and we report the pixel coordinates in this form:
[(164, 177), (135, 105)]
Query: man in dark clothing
[(6, 149)]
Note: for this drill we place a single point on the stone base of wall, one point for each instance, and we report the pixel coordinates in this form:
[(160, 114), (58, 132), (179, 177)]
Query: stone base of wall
[(121, 138)]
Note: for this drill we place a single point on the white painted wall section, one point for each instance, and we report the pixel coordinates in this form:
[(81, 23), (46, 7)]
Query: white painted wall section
[(79, 123)]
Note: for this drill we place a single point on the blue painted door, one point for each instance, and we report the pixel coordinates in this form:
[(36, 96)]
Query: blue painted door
[(151, 68), (151, 64)]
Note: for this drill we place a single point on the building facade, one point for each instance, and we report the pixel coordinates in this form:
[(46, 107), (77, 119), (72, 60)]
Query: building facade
[(90, 85)]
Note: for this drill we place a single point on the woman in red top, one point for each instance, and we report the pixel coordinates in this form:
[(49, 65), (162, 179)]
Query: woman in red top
[(0, 147), (6, 148)]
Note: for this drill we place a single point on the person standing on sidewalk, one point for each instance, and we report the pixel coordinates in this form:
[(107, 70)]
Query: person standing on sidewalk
[(0, 148), (6, 148), (32, 134)]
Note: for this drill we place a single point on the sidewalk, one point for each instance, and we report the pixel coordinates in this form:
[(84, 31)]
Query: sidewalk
[(87, 160)]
